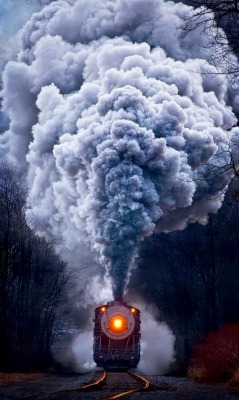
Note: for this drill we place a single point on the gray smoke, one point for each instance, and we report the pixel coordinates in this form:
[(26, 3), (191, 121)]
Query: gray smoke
[(115, 123)]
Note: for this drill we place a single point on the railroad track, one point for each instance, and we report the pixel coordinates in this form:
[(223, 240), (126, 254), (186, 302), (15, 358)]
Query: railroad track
[(116, 385), (106, 386)]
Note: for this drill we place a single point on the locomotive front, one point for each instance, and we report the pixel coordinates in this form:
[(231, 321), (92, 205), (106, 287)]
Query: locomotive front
[(117, 335)]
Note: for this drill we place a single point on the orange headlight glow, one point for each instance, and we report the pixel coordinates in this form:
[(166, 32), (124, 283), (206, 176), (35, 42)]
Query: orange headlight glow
[(132, 310), (118, 324), (102, 308)]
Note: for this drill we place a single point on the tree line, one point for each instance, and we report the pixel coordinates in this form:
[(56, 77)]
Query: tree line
[(211, 16), (32, 279), (192, 276)]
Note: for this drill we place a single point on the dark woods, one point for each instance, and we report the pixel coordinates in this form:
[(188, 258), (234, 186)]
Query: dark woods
[(31, 283), (192, 276), (210, 16)]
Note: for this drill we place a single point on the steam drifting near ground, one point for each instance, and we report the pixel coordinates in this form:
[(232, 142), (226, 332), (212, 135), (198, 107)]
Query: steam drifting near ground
[(114, 127), (157, 348), (157, 340), (157, 345), (77, 356)]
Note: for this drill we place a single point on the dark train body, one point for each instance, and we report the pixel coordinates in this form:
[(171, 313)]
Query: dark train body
[(116, 335)]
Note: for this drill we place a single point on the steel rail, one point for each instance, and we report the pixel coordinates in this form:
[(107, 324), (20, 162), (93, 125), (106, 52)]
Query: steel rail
[(125, 393), (96, 385), (92, 384)]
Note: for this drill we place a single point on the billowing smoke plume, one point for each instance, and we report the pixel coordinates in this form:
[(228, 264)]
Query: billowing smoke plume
[(115, 125)]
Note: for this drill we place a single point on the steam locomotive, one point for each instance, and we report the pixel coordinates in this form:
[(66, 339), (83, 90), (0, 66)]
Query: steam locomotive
[(116, 335)]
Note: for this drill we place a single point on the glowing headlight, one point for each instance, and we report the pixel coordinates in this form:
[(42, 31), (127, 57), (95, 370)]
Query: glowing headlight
[(118, 324)]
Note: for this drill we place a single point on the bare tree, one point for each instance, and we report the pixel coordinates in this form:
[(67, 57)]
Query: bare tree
[(192, 276), (219, 19), (31, 282)]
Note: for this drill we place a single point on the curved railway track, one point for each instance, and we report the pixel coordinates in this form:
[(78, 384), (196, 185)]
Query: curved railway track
[(116, 385), (124, 383), (105, 385)]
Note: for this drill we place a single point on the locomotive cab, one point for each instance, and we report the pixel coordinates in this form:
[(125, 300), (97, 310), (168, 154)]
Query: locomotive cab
[(116, 335)]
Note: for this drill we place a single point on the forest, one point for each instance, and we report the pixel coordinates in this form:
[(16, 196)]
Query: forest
[(32, 279), (192, 276)]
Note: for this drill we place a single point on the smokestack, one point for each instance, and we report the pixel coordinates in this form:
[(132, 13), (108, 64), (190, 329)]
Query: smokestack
[(114, 128)]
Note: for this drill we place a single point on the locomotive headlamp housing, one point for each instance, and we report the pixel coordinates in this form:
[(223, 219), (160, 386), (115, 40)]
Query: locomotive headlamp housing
[(117, 322)]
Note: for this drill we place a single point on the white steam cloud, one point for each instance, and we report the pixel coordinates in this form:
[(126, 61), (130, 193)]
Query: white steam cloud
[(157, 340), (114, 126), (157, 348), (157, 345), (13, 14), (78, 355), (98, 291)]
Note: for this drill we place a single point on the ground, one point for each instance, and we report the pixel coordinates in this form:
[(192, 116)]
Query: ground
[(52, 386)]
